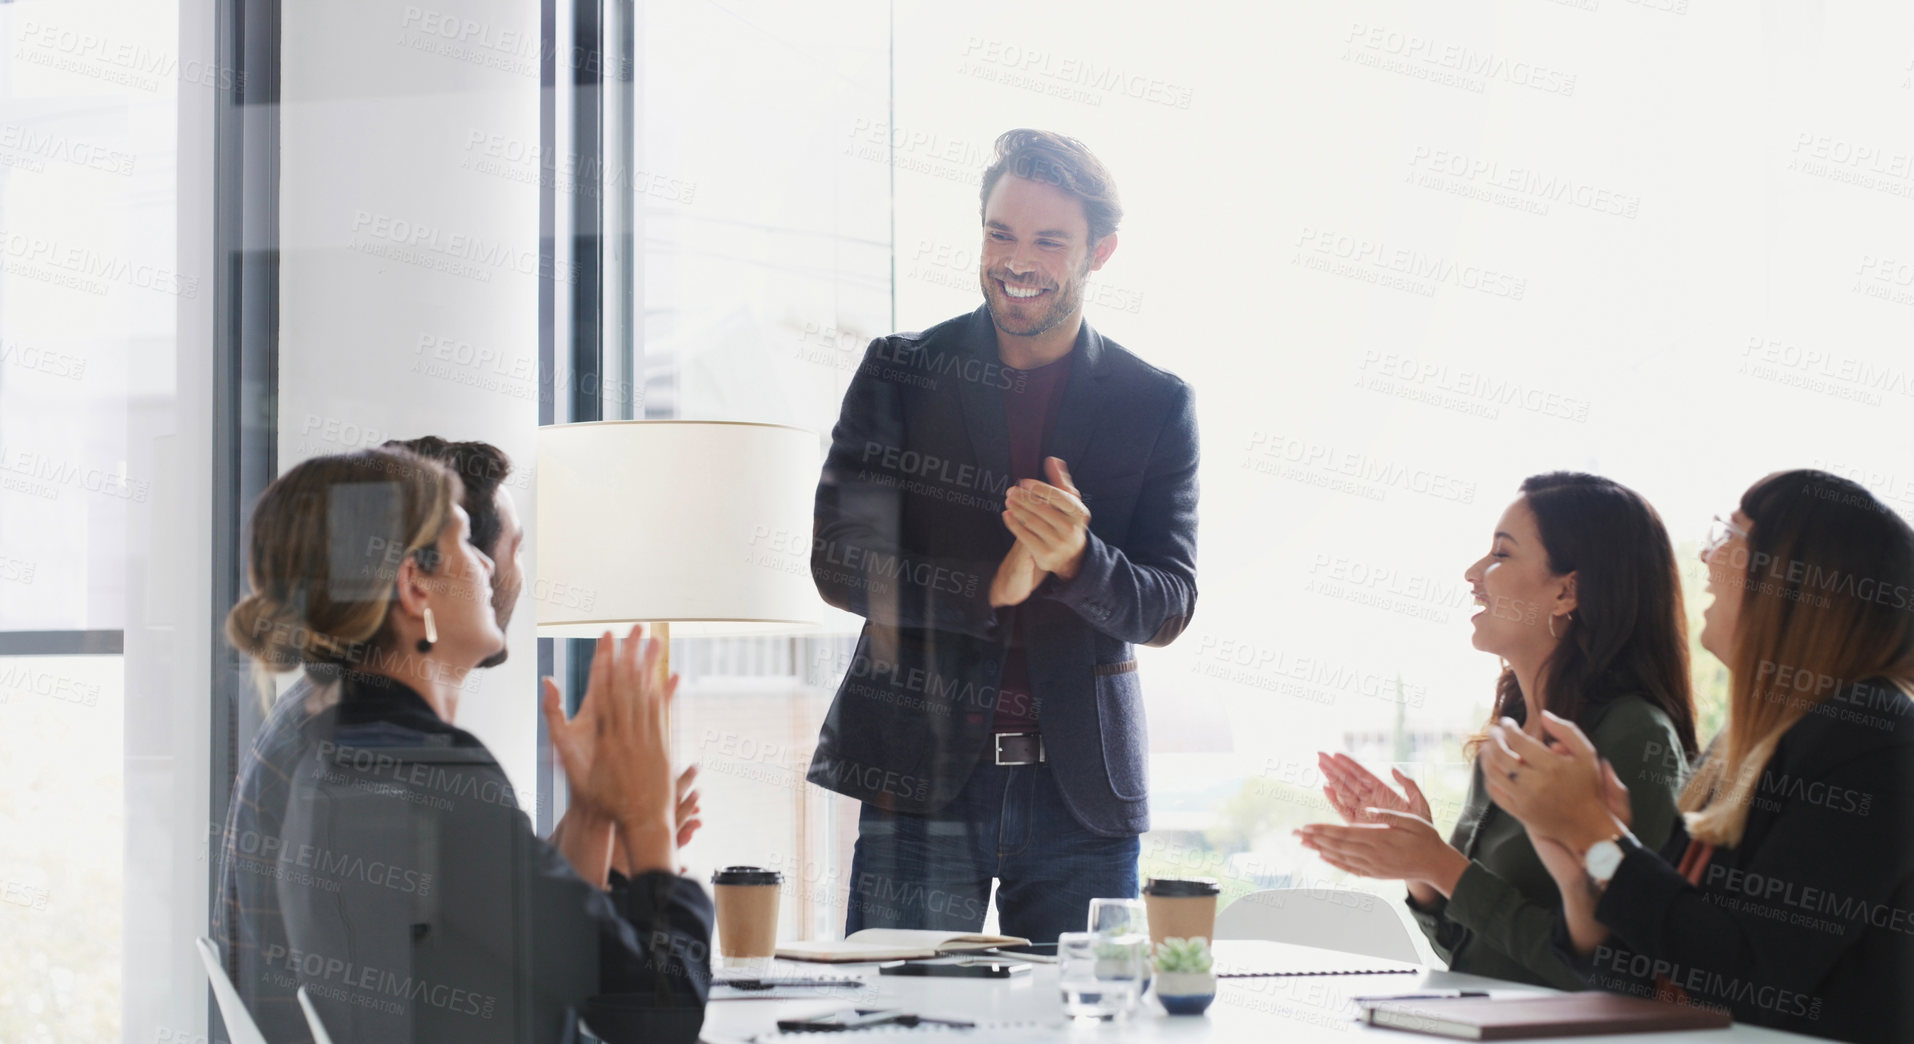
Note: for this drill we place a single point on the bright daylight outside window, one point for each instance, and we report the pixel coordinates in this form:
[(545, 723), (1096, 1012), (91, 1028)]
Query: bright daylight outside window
[(1370, 270), (89, 285)]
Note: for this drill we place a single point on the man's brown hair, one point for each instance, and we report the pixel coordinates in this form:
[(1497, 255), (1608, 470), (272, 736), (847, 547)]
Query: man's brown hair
[(1054, 159), (482, 466)]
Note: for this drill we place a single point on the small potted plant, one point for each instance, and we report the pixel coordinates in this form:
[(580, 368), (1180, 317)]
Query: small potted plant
[(1185, 983), (1119, 958)]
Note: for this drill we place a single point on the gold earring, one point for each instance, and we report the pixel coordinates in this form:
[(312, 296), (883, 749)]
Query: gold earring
[(1551, 624)]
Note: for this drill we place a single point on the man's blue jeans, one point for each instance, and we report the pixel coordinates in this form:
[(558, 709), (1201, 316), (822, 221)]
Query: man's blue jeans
[(1008, 823)]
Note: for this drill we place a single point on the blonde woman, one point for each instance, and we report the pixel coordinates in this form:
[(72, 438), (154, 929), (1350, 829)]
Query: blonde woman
[(1786, 895), (376, 854)]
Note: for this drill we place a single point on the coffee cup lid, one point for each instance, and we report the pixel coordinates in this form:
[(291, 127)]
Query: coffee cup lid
[(746, 875), (1181, 887)]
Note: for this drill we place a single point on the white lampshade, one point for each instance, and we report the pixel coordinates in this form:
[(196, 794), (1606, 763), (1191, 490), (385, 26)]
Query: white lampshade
[(705, 525)]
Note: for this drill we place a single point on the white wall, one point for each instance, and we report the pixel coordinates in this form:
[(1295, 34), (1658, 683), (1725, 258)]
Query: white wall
[(409, 264)]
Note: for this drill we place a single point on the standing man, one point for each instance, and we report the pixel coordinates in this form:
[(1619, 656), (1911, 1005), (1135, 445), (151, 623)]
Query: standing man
[(1010, 503)]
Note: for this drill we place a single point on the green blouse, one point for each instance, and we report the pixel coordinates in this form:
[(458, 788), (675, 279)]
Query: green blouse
[(1501, 919)]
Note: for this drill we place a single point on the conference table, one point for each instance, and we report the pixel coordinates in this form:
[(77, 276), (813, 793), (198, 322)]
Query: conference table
[(1288, 1009)]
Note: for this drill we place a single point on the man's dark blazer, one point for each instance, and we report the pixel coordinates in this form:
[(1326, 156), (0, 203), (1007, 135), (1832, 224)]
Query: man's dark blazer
[(908, 534)]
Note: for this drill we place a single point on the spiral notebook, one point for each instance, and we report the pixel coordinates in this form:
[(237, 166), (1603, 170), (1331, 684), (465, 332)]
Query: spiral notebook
[(1258, 958)]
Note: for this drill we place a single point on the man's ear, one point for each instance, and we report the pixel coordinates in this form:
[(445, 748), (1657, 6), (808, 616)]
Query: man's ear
[(1102, 250)]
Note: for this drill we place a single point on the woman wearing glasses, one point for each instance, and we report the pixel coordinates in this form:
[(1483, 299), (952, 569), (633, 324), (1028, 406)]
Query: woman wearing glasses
[(1581, 600), (1786, 895)]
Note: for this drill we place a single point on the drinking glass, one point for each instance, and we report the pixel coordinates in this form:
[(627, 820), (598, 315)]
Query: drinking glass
[(1102, 974), (1119, 917)]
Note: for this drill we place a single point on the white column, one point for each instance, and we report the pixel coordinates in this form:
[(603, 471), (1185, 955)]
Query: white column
[(408, 274)]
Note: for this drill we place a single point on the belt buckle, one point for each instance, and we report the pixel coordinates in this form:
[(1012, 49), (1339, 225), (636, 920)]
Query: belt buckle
[(999, 740)]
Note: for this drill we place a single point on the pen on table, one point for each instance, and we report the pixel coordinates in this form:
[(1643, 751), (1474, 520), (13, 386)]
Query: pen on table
[(1436, 995), (926, 1020), (1033, 958), (769, 984)]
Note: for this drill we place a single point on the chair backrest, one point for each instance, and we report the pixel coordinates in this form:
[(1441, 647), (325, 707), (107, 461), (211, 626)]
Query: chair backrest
[(1330, 918), (319, 1034), (240, 1028)]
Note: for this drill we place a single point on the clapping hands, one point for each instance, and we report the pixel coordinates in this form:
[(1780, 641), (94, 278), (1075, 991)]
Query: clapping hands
[(1560, 789), (1387, 834), (1353, 791), (1052, 528), (616, 751)]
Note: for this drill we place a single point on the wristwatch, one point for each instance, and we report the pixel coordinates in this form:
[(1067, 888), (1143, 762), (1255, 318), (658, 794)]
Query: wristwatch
[(1603, 858)]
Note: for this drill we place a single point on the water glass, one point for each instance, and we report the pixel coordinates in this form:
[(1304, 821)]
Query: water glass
[(1102, 975), (1119, 917)]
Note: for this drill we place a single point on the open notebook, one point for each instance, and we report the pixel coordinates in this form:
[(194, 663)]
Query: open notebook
[(893, 944)]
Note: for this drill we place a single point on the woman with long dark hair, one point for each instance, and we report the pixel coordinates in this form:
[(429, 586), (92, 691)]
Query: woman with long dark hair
[(1581, 600), (1786, 893)]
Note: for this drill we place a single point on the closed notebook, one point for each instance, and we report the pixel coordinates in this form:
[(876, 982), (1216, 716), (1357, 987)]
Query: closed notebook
[(893, 944), (1529, 1018)]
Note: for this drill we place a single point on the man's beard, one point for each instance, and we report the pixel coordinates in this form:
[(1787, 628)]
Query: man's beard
[(503, 602), (1064, 301)]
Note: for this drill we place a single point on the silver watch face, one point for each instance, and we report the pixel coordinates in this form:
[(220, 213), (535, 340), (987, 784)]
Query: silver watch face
[(1602, 860)]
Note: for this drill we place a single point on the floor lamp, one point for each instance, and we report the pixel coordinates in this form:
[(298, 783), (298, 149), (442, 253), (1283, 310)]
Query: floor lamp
[(695, 528)]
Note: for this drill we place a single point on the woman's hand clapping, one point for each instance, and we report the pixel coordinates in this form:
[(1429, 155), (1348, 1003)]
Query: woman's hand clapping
[(1388, 835), (616, 751), (1353, 791), (1561, 790)]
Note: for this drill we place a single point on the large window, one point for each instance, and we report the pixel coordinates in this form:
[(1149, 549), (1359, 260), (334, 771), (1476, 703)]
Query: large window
[(64, 814), (90, 285), (766, 270), (1397, 289)]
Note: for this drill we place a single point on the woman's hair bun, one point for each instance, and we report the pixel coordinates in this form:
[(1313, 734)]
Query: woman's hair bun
[(324, 537), (269, 631)]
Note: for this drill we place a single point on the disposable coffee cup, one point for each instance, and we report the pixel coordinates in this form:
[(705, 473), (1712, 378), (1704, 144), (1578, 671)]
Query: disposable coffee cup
[(747, 900), (1181, 907)]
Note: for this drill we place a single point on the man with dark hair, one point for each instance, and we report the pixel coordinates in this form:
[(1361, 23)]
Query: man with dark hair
[(483, 468), (1010, 503), (266, 775)]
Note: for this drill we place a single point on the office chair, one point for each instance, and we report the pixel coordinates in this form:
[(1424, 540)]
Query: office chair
[(1330, 918), (319, 1034), (240, 1027)]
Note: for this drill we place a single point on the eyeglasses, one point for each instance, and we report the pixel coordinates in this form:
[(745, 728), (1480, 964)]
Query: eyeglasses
[(1721, 529)]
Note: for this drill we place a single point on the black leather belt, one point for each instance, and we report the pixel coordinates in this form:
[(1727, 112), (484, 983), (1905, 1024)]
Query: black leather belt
[(1019, 748)]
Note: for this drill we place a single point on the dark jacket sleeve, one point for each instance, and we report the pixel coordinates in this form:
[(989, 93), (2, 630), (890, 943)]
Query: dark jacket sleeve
[(1511, 922), (857, 559), (1524, 929), (1443, 934), (651, 937), (654, 959), (1145, 591), (1842, 838)]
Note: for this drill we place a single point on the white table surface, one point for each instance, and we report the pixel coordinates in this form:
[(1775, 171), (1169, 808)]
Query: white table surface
[(1286, 1010)]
